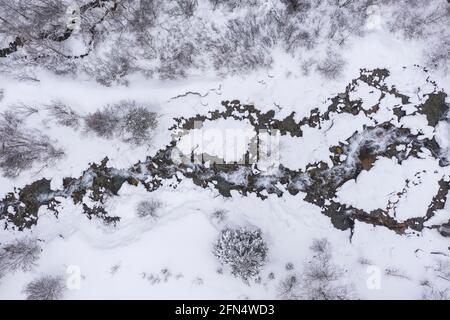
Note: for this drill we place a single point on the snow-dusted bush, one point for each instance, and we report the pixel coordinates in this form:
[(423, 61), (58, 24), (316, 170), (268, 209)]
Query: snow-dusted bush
[(21, 254), (332, 66), (45, 288), (321, 279), (437, 55), (126, 120), (243, 250), (113, 67), (167, 38), (138, 121), (185, 8), (244, 46), (63, 114), (418, 19), (148, 208), (34, 19), (294, 6), (20, 148), (104, 122), (233, 4)]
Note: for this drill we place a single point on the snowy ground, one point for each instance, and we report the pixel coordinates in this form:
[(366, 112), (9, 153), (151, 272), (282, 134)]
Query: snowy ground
[(171, 257)]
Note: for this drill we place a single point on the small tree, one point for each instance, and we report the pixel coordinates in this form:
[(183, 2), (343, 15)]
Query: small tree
[(21, 254), (243, 250), (45, 288)]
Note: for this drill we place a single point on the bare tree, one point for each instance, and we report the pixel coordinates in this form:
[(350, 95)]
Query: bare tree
[(21, 254), (20, 147), (63, 114), (45, 288)]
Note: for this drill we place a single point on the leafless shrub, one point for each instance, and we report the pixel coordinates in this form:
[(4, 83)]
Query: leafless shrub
[(288, 288), (148, 208), (321, 279), (138, 121), (115, 268), (126, 120), (219, 216), (64, 115), (437, 55), (432, 292), (21, 254), (294, 6), (22, 110), (141, 14), (233, 4), (394, 272), (364, 261), (185, 8), (306, 66), (105, 122), (176, 54), (243, 250), (416, 19), (442, 269), (112, 68), (438, 288), (332, 66), (36, 20), (244, 46), (289, 266), (20, 148), (45, 288)]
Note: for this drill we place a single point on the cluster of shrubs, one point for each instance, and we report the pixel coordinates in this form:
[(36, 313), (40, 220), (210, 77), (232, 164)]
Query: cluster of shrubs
[(133, 39), (244, 252), (320, 279), (23, 254), (126, 120), (21, 148)]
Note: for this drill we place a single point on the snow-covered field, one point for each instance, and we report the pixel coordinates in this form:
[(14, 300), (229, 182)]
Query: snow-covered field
[(351, 202)]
